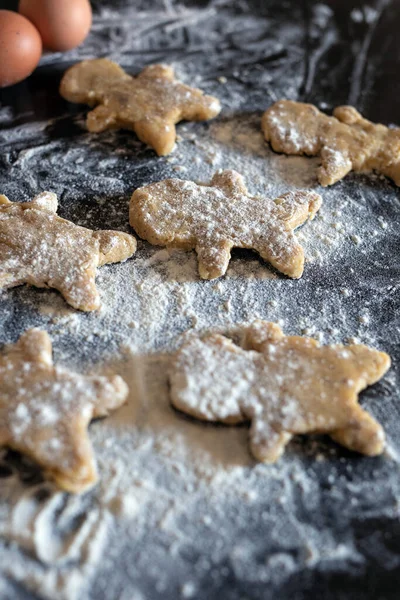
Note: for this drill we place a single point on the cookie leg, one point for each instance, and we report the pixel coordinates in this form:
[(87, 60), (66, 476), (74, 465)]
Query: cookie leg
[(365, 435), (80, 472), (115, 246), (213, 259), (81, 293), (266, 444), (157, 133), (100, 119), (285, 254), (335, 164), (393, 171)]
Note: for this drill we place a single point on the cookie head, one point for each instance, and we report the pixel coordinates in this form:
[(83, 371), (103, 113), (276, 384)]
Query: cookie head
[(292, 127), (87, 81)]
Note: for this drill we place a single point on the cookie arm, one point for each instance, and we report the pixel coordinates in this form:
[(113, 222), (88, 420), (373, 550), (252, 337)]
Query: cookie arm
[(46, 200), (370, 364), (35, 346), (335, 164), (389, 157), (294, 208), (260, 334), (110, 393), (4, 199), (100, 119), (348, 115), (199, 106), (81, 291)]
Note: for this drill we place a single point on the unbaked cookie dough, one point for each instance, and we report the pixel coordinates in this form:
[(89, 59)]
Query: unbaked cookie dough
[(283, 385), (45, 410), (214, 218), (345, 142)]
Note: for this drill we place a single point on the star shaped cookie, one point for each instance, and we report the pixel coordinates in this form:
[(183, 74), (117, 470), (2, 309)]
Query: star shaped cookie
[(45, 410), (42, 249), (149, 104), (283, 385), (214, 218), (345, 142)]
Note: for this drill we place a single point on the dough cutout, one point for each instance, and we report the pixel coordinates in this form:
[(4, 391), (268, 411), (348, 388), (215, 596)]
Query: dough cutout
[(214, 218), (345, 142), (40, 248), (149, 104), (45, 410), (283, 385)]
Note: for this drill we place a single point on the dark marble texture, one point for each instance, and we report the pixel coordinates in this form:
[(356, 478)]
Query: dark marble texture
[(336, 52)]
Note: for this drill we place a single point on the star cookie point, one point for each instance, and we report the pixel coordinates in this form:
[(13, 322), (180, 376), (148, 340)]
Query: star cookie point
[(149, 104), (283, 385), (45, 410), (214, 218)]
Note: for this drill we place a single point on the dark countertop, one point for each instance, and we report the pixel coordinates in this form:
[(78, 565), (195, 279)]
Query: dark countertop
[(329, 53)]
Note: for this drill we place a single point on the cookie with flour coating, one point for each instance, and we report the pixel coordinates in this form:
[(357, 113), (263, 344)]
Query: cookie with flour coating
[(212, 219), (283, 385), (40, 248), (344, 142), (45, 410)]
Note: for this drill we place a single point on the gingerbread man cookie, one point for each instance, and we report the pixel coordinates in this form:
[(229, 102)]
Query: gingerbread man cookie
[(214, 218), (284, 385), (345, 142), (42, 249), (45, 410), (149, 104)]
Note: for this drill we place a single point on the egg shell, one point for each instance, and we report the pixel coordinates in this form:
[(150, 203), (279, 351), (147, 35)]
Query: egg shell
[(20, 48), (63, 24)]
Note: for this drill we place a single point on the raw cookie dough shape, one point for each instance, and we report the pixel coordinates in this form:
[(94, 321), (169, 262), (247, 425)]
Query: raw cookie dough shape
[(345, 142), (45, 410), (40, 248), (284, 385), (149, 104), (214, 218)]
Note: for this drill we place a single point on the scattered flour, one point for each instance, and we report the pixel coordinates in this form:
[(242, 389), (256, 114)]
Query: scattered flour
[(181, 509)]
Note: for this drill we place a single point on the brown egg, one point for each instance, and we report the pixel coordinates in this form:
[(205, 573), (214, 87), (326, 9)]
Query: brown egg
[(20, 48), (63, 24)]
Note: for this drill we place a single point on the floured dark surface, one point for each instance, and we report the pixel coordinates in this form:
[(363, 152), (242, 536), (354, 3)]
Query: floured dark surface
[(182, 511)]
